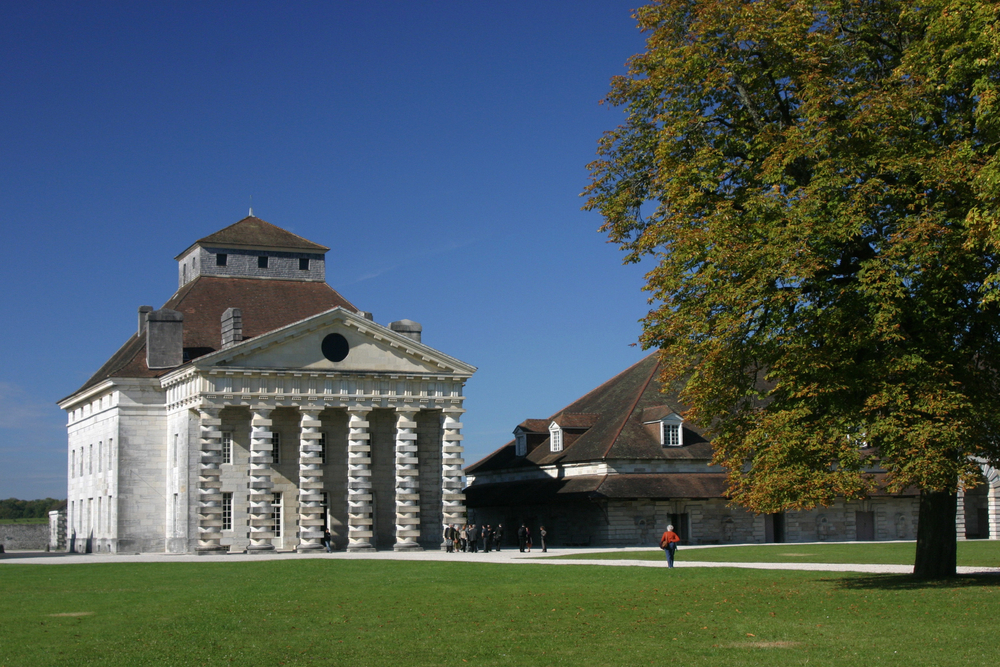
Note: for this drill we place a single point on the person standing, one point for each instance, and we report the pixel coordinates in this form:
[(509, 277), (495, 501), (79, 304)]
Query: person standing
[(669, 544), (473, 538), (522, 534), (449, 532), (499, 536), (487, 538), (463, 538), (328, 540), (542, 533), (527, 538)]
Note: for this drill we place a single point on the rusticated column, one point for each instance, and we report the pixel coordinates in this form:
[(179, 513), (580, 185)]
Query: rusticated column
[(311, 519), (452, 498), (209, 483), (261, 518), (359, 482), (407, 483), (960, 515)]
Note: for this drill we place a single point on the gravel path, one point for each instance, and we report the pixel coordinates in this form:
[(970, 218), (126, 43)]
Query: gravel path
[(507, 556)]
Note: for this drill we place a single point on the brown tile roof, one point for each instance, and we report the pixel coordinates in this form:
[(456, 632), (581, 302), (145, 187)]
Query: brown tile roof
[(266, 304), (614, 412), (252, 232)]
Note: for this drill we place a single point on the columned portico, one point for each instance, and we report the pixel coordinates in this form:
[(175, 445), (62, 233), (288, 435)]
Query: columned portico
[(407, 482), (359, 483), (311, 519), (209, 483), (261, 517)]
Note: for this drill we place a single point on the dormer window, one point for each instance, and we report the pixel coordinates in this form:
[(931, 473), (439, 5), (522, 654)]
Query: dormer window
[(670, 431), (221, 259), (303, 263), (555, 437), (262, 262), (520, 443)]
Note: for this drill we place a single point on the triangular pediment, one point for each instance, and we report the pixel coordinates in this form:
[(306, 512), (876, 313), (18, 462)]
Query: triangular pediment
[(336, 340)]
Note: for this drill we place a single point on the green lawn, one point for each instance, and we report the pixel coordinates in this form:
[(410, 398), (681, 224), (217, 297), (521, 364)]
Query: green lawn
[(981, 553), (358, 612)]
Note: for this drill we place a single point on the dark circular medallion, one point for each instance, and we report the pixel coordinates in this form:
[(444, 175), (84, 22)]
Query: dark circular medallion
[(335, 347)]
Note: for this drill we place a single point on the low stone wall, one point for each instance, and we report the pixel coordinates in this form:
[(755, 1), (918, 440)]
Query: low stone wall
[(24, 536)]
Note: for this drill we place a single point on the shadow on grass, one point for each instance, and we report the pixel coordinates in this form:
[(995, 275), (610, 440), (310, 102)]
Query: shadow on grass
[(904, 582)]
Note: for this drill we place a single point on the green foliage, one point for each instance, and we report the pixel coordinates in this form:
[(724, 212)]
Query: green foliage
[(818, 183), (323, 612), (12, 508)]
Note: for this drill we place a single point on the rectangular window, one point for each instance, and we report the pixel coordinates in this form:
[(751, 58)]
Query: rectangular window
[(81, 462), (72, 463), (322, 447), (221, 259), (671, 435), (111, 442), (177, 449), (303, 263), (100, 455), (227, 447), (227, 510), (276, 448), (100, 513), (262, 262), (276, 509), (90, 460)]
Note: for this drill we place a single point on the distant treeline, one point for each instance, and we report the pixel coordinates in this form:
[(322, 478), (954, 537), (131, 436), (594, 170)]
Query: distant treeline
[(12, 508)]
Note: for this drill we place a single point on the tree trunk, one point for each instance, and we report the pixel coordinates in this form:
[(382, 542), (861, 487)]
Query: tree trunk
[(936, 537)]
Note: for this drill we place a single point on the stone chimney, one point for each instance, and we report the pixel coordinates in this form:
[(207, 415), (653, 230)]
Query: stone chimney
[(365, 314), (164, 339), (407, 328), (143, 312), (232, 327)]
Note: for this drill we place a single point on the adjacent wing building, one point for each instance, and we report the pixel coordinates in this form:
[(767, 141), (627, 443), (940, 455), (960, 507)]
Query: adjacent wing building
[(619, 465), (257, 407)]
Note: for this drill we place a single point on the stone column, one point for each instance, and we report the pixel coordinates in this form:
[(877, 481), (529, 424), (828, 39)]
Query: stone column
[(960, 515), (452, 498), (209, 483), (993, 503), (311, 519), (407, 483), (261, 517), (359, 482)]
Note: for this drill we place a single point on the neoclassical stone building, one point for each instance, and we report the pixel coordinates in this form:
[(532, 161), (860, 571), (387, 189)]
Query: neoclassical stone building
[(257, 407), (618, 465)]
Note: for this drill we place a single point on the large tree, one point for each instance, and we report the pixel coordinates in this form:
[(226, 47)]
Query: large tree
[(818, 184)]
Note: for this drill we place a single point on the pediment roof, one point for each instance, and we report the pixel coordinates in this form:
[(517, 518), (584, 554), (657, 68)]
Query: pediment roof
[(387, 350)]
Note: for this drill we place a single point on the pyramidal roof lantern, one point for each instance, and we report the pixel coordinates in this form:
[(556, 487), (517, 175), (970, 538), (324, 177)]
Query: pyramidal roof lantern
[(252, 233)]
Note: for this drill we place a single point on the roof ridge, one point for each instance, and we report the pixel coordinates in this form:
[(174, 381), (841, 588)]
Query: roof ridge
[(601, 386), (631, 410)]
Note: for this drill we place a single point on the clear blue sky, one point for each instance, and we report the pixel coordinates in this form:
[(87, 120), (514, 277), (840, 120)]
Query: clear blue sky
[(439, 149)]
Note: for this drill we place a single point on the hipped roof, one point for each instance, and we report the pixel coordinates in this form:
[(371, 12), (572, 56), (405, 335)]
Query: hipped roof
[(614, 414), (266, 305), (252, 232)]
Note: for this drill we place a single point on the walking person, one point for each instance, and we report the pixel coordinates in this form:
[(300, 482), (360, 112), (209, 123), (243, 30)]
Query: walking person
[(328, 540), (543, 534), (669, 544)]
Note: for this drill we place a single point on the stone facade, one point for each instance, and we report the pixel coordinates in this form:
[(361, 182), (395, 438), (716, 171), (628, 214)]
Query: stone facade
[(321, 419)]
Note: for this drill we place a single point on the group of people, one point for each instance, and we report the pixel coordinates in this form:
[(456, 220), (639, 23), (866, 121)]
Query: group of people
[(524, 538), (472, 538)]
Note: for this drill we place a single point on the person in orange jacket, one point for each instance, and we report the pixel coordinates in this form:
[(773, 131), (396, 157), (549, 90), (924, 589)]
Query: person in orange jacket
[(669, 544)]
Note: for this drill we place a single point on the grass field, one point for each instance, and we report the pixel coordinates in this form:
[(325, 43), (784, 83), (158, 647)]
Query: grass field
[(358, 612), (981, 553)]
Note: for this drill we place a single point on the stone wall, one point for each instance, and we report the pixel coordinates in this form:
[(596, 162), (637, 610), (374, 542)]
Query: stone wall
[(24, 536)]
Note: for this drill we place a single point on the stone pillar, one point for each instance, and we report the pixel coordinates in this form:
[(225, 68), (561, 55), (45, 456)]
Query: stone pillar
[(261, 517), (407, 483), (209, 483), (452, 498), (359, 482), (311, 519), (993, 500), (960, 515)]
